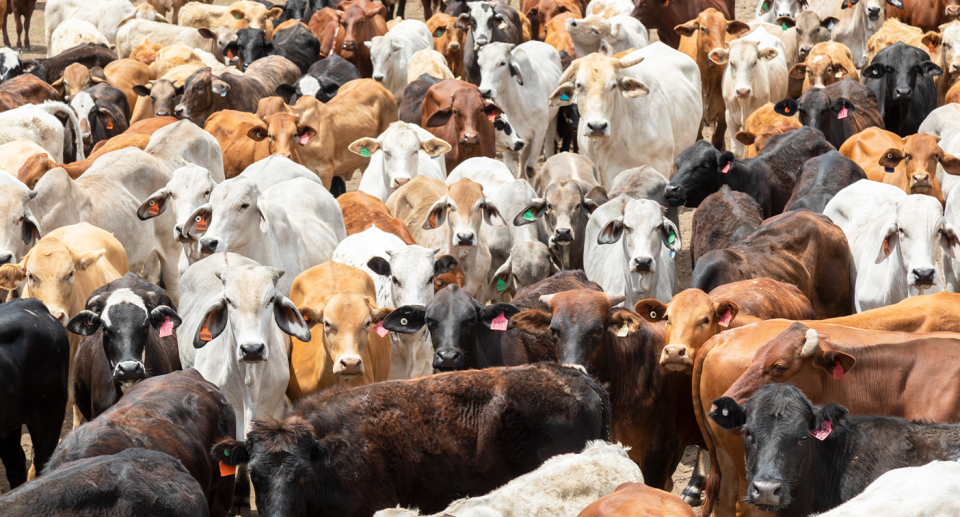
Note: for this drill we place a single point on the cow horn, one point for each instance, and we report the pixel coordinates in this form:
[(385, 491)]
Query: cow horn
[(615, 298), (545, 299), (811, 344), (627, 63)]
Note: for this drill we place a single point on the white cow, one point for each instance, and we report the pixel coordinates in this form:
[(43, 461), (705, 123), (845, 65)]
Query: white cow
[(855, 24), (607, 35), (528, 263), (609, 8), (756, 74), (401, 153), (403, 275), (105, 14), (38, 123), (392, 52), (634, 113), (932, 490), (769, 10), (10, 66), (293, 225), (276, 169), (519, 79), (74, 32), (951, 266), (133, 33), (562, 487), (944, 122), (893, 241), (234, 332), (184, 143)]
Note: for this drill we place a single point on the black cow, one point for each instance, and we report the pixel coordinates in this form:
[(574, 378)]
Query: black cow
[(724, 218), (51, 69), (418, 443), (180, 414), (839, 111), (312, 6), (323, 80), (804, 460), (501, 24), (568, 120), (137, 482), (821, 178), (769, 178), (296, 44), (902, 76), (34, 363), (103, 114), (412, 104), (292, 10), (121, 346)]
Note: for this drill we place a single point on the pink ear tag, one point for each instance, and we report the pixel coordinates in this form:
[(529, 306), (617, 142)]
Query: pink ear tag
[(303, 139), (725, 319), (167, 328), (499, 323), (838, 372), (492, 116), (842, 114), (726, 168), (821, 433), (380, 330)]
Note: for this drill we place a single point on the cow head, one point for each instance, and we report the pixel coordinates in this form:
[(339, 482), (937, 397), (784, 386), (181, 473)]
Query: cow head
[(810, 30), (353, 23), (506, 137), (125, 318), (498, 68), (448, 39), (918, 159), (581, 322), (398, 148), (698, 175), (818, 110), (779, 443), (146, 52), (597, 84), (742, 56), (482, 20), (898, 67), (75, 79), (21, 230), (546, 10), (221, 37), (249, 304), (34, 168), (470, 113), (250, 45), (235, 212), (459, 327), (411, 271), (644, 231), (711, 30), (529, 262), (284, 133), (188, 189), (322, 88), (692, 317), (588, 32), (92, 119), (383, 50), (951, 9), (828, 63), (163, 94), (463, 208), (253, 15), (199, 90), (9, 64), (564, 211), (346, 320), (448, 272), (781, 8), (947, 41)]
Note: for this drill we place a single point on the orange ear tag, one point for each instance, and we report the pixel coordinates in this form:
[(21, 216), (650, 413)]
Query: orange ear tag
[(227, 470), (230, 54), (201, 223), (109, 124), (154, 208), (930, 46), (433, 221), (886, 246), (205, 334)]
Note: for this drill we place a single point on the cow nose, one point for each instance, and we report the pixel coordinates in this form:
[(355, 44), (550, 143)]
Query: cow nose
[(349, 45), (454, 46), (470, 139), (378, 78), (674, 355), (642, 265), (804, 51), (766, 492), (563, 235), (873, 12), (178, 111), (597, 127), (178, 230), (208, 245), (904, 92), (517, 146), (6, 258), (129, 371), (465, 239), (744, 92), (923, 276), (252, 353), (401, 181), (163, 113), (448, 358), (351, 366), (921, 179), (60, 315), (953, 10)]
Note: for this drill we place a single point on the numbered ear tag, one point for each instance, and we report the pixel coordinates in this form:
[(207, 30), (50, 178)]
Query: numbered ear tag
[(499, 323), (672, 238), (364, 152), (783, 25), (843, 113), (838, 372), (624, 330), (201, 224), (205, 334), (766, 6), (380, 330), (528, 215), (821, 433), (303, 139), (227, 470), (726, 168), (726, 318), (502, 26), (167, 328), (154, 208), (830, 26), (886, 246), (501, 285), (564, 97)]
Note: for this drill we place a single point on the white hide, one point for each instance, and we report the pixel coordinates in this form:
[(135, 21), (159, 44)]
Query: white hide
[(398, 155), (777, 8), (392, 52), (854, 27), (183, 143), (932, 490), (74, 32), (104, 14), (609, 8), (869, 212), (610, 36), (276, 169), (944, 122), (133, 33), (951, 266), (506, 138), (38, 123)]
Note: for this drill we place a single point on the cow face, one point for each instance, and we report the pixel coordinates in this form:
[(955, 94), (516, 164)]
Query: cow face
[(322, 88), (251, 45), (597, 84), (692, 317), (818, 110), (810, 30), (643, 230), (506, 137), (346, 320), (497, 68), (581, 323), (898, 68), (564, 211), (778, 425), (469, 112), (824, 67), (163, 94), (398, 148), (75, 79), (698, 175), (353, 22), (91, 118), (249, 304), (546, 10), (125, 324), (463, 208), (9, 64), (448, 39), (482, 20), (949, 45), (913, 238), (412, 271), (782, 7), (711, 29), (253, 15), (589, 31), (188, 189), (382, 51), (528, 263), (235, 211), (198, 95), (284, 133), (918, 159), (951, 10), (743, 57), (459, 327), (21, 230)]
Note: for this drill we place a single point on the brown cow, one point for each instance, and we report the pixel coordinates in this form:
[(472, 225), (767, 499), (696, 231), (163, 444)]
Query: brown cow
[(760, 126), (892, 31), (146, 52), (76, 78), (559, 38), (665, 16), (360, 22), (325, 24), (909, 164), (542, 11), (243, 137), (638, 500), (125, 74), (925, 14), (158, 99), (723, 219), (454, 112), (710, 30), (829, 62), (22, 11), (25, 89), (448, 40), (693, 316), (361, 211), (810, 29)]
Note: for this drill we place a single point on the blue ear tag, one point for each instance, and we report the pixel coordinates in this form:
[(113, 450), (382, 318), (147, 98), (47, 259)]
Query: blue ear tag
[(888, 169), (673, 253), (564, 97), (830, 27), (224, 94)]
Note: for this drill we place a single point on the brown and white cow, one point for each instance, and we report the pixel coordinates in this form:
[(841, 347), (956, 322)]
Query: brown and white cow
[(829, 62), (361, 211)]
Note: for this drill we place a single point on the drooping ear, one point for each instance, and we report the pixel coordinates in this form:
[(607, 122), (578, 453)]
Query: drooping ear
[(444, 264), (406, 320), (797, 71), (85, 323), (728, 414), (848, 4), (201, 215), (220, 87), (463, 22), (767, 54), (263, 206), (874, 71), (725, 158), (378, 314), (232, 50), (489, 312), (437, 214), (439, 118), (785, 21), (142, 90), (372, 145), (611, 232), (950, 163), (687, 29), (285, 90), (950, 241), (87, 259), (737, 28), (840, 103), (311, 315), (304, 130), (888, 242), (620, 317), (289, 319), (30, 231), (632, 88), (745, 137), (206, 33), (379, 265), (930, 69), (891, 158), (931, 41), (491, 214), (212, 324), (719, 56), (896, 3), (11, 274), (533, 321), (787, 107), (828, 359), (159, 315), (502, 280), (669, 232), (491, 109), (435, 147), (651, 310), (531, 212), (257, 133), (154, 205), (515, 70), (833, 412), (563, 95), (230, 451)]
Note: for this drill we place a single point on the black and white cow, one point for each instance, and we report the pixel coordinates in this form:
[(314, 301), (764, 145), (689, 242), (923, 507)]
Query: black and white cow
[(297, 44), (322, 80)]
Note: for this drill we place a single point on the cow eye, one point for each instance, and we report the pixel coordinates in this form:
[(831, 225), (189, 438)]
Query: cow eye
[(902, 232), (396, 281), (430, 280), (779, 368), (503, 64), (549, 206), (386, 154), (206, 194), (244, 206), (706, 320), (555, 332)]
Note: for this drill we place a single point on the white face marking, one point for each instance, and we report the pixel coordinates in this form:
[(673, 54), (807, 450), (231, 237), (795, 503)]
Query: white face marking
[(83, 104), (122, 296), (309, 85), (817, 59)]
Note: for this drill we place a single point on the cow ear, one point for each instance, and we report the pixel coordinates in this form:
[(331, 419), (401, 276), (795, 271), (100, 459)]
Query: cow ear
[(154, 205), (668, 230), (289, 320), (86, 323), (767, 54), (142, 90), (257, 133), (179, 89), (848, 4), (829, 358), (11, 274), (515, 70), (231, 50), (285, 90), (533, 321), (787, 107), (632, 88), (206, 33), (220, 87), (931, 41), (274, 13), (159, 315), (620, 318), (445, 264), (888, 242), (687, 29), (406, 320), (263, 206), (212, 324), (719, 56), (30, 231), (896, 3), (563, 95), (737, 28), (798, 71), (785, 21), (891, 158), (87, 259), (840, 103), (950, 241), (745, 137), (311, 316), (202, 214), (874, 71), (435, 147), (531, 212), (439, 118), (490, 108), (372, 145), (611, 232), (724, 307), (832, 413), (463, 22), (950, 163), (931, 69), (502, 280), (230, 451), (491, 214), (491, 312), (306, 130), (379, 265), (436, 215), (651, 310), (728, 414), (829, 22)]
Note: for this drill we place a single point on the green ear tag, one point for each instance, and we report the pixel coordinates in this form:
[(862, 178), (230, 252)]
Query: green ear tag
[(783, 25), (564, 97), (528, 215), (226, 452), (672, 238), (237, 16), (438, 33), (364, 152), (501, 285), (766, 6)]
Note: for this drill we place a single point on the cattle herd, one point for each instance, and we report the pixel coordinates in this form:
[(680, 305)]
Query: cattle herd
[(489, 322)]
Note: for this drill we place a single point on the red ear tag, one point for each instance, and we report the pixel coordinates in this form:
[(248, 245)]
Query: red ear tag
[(725, 319), (726, 168), (154, 208), (109, 124), (821, 433), (380, 330), (167, 328), (499, 323), (227, 470), (205, 334), (886, 247), (303, 139), (842, 114), (491, 116), (838, 372), (201, 223)]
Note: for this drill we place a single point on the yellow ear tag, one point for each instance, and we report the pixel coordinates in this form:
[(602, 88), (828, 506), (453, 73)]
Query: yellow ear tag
[(624, 330)]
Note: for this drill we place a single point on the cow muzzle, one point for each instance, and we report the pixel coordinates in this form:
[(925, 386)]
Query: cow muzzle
[(348, 367), (465, 239), (765, 493), (563, 236), (952, 11), (448, 359), (252, 353), (128, 371), (804, 51), (399, 182), (902, 94), (924, 278), (470, 139), (454, 46), (349, 45), (641, 265), (518, 146), (208, 245), (743, 93), (674, 195), (920, 183), (598, 128), (676, 358), (873, 13)]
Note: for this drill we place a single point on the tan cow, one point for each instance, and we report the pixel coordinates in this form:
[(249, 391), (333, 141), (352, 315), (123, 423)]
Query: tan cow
[(62, 270), (448, 40), (14, 154), (146, 52), (125, 74), (339, 303), (943, 48), (760, 126), (76, 78), (894, 30), (239, 15), (245, 138), (430, 62), (829, 62)]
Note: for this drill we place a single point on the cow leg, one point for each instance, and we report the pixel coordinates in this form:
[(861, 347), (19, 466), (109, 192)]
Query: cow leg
[(427, 8), (6, 37), (44, 428), (692, 494), (720, 133), (338, 187), (14, 460), (241, 492), (171, 272)]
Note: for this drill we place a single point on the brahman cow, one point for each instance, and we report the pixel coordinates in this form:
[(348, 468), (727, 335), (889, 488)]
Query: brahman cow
[(391, 53)]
